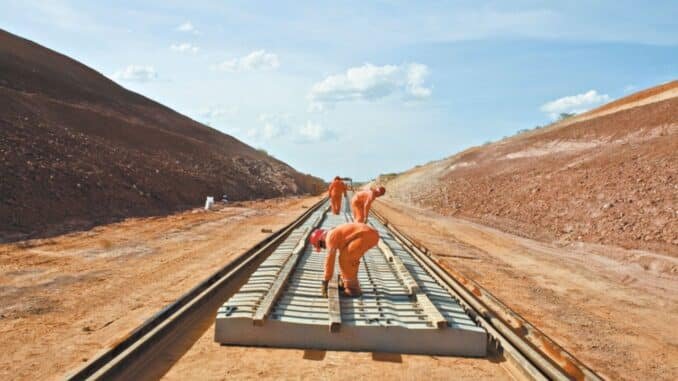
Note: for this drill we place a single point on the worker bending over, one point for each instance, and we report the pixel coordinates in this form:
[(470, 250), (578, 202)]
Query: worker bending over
[(352, 240), (361, 202), (336, 191)]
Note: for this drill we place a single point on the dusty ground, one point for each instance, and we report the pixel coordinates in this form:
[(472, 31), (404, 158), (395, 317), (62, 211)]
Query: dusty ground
[(615, 309), (64, 299), (207, 360)]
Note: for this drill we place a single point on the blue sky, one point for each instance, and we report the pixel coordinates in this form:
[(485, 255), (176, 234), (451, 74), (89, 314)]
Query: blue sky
[(360, 88)]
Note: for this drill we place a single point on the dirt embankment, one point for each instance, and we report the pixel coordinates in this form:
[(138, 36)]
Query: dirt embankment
[(78, 150), (610, 178)]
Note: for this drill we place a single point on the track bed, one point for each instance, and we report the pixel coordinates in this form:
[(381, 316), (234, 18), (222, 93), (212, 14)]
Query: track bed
[(402, 309)]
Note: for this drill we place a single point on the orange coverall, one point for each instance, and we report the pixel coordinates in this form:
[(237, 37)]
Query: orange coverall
[(336, 191), (360, 205), (352, 240)]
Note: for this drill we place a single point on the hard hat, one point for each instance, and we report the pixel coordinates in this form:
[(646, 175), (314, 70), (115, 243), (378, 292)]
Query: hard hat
[(315, 237)]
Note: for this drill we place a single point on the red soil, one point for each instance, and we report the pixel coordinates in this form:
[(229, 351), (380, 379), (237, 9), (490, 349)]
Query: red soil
[(609, 179)]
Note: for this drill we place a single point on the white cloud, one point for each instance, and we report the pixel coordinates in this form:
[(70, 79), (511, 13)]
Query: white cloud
[(187, 27), (273, 126), (252, 133), (370, 82), (416, 75), (313, 132), (256, 60), (315, 106), (574, 103), (282, 126), (135, 73), (630, 88), (216, 112), (184, 47), (63, 15), (270, 131)]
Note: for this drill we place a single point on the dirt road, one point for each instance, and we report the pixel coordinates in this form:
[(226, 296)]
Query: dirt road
[(615, 309), (62, 300)]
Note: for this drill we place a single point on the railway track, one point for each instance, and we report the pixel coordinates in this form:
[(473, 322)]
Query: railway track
[(150, 350), (529, 352)]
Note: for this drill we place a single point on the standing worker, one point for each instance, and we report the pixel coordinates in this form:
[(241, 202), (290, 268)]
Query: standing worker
[(352, 240), (337, 191), (361, 202)]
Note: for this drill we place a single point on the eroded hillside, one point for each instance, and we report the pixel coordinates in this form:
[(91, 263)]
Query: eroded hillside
[(607, 176), (76, 149)]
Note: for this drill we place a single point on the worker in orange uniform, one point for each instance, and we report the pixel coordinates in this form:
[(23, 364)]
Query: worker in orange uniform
[(352, 240), (361, 202), (337, 191)]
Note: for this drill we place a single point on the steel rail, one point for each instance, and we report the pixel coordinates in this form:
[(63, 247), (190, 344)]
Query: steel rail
[(152, 348), (532, 352), (170, 332)]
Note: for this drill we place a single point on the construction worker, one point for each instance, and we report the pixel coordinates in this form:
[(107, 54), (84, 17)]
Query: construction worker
[(361, 202), (336, 191), (352, 240)]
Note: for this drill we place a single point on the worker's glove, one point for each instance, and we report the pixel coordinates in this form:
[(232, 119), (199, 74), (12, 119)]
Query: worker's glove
[(323, 289)]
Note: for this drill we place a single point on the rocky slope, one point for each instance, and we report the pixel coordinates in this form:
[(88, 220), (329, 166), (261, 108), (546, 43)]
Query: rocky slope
[(608, 176), (76, 149)]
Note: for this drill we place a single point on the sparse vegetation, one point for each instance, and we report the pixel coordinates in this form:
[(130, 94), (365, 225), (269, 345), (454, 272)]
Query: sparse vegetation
[(385, 177), (265, 152), (524, 130), (565, 115)]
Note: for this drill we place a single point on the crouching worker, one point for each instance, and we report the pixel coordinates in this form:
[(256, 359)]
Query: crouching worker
[(336, 191), (361, 202), (352, 241)]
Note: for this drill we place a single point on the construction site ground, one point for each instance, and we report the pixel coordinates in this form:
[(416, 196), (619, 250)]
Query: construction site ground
[(64, 299), (613, 308)]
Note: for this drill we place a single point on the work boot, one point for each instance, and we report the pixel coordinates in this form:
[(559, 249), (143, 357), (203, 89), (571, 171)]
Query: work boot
[(352, 292), (323, 289), (352, 288)]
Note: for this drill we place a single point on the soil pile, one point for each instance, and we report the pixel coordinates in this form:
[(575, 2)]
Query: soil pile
[(607, 176), (77, 150)]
